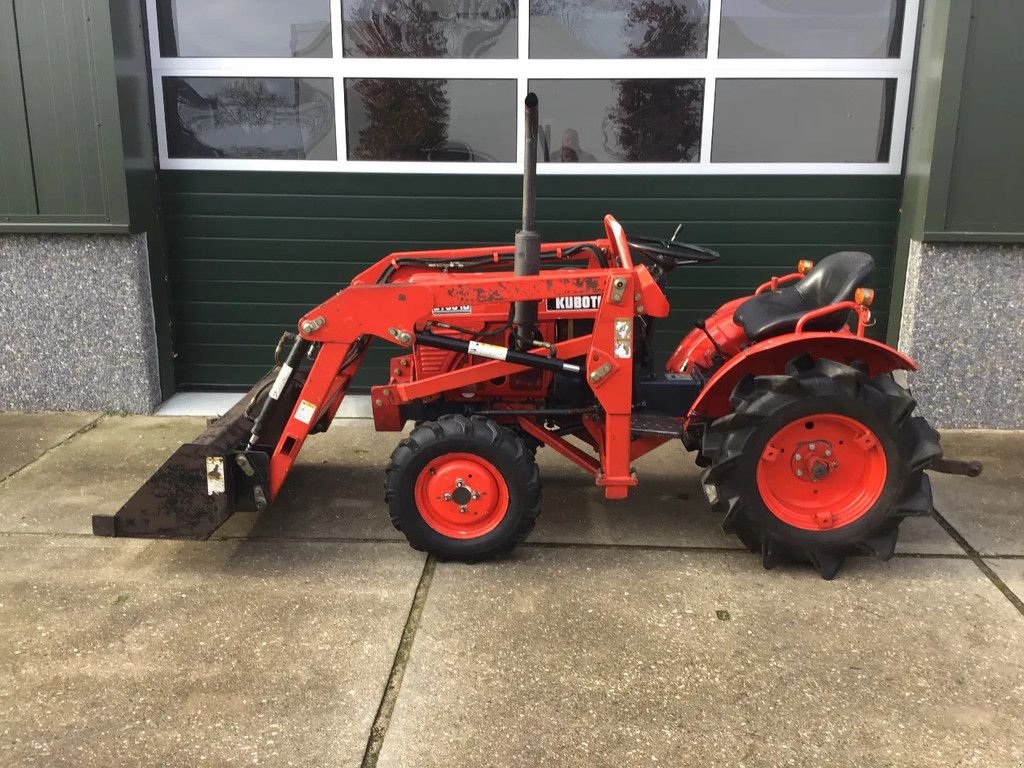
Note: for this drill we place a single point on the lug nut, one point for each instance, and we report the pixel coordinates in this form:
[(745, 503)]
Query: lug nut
[(812, 446), (799, 473), (447, 497), (462, 509), (476, 495), (797, 457), (458, 482), (828, 452)]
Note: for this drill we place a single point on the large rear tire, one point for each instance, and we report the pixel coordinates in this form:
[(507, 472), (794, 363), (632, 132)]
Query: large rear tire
[(819, 463), (463, 488)]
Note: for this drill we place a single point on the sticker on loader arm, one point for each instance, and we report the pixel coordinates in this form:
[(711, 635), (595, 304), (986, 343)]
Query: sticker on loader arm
[(623, 337), (459, 309), (574, 303), (493, 351), (214, 475), (305, 411)]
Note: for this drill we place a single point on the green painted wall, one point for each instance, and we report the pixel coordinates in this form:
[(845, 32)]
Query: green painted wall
[(60, 133), (250, 252), (976, 161), (17, 189), (939, 23)]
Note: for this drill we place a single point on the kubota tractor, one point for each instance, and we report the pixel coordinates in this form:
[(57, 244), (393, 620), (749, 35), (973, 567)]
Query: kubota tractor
[(809, 445)]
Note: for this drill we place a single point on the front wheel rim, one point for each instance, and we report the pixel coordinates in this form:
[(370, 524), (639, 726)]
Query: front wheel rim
[(821, 472), (461, 495)]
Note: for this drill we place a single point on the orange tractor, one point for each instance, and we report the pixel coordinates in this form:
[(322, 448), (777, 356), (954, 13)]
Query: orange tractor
[(809, 445)]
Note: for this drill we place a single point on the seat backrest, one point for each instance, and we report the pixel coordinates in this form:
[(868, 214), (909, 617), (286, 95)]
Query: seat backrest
[(835, 278)]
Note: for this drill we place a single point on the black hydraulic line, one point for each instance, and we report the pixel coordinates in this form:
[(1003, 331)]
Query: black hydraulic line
[(292, 362), (527, 244), (598, 254), (535, 412), (494, 352), (490, 261)]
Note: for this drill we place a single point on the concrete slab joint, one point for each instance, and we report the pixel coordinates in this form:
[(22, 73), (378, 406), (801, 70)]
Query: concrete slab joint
[(617, 635), (76, 324)]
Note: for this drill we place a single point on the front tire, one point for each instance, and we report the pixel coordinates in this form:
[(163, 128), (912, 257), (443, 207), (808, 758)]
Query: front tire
[(463, 488), (819, 463)]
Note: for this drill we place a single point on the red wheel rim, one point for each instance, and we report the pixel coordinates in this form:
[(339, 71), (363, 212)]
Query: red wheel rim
[(821, 472), (461, 495)]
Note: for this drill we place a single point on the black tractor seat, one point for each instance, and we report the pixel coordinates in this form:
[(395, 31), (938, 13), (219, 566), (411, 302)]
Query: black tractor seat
[(832, 280)]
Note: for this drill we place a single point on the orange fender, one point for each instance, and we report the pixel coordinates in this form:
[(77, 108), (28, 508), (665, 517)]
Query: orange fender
[(770, 357)]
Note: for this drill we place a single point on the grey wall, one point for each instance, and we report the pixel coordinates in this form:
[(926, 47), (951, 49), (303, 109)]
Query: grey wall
[(76, 324), (963, 322)]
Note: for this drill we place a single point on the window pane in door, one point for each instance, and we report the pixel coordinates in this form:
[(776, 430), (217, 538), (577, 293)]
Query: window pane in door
[(420, 120), (810, 29), (803, 121), (270, 118), (254, 28), (620, 121), (428, 29), (618, 29)]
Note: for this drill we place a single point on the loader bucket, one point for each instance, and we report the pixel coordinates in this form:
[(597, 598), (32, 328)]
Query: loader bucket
[(195, 490)]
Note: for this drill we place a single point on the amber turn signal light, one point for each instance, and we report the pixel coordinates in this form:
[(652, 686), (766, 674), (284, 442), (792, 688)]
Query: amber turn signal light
[(864, 296), (804, 266)]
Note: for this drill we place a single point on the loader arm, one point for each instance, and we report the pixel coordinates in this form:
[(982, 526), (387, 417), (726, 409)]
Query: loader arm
[(338, 324)]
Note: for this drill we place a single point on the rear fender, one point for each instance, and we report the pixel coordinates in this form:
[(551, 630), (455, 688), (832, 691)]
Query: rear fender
[(771, 355)]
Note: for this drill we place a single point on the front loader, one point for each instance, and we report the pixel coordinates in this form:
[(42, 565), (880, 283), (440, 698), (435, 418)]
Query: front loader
[(810, 448)]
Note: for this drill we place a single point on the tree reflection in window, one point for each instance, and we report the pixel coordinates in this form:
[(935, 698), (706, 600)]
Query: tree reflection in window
[(470, 29), (246, 117), (404, 117), (649, 120), (659, 120), (611, 29)]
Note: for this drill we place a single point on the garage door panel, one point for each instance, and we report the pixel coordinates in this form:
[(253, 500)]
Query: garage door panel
[(251, 252)]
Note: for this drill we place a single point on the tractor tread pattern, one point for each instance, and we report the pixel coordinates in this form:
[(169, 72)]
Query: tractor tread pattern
[(477, 429), (757, 398)]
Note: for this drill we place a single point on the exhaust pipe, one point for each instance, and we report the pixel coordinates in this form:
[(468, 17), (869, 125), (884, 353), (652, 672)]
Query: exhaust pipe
[(527, 243)]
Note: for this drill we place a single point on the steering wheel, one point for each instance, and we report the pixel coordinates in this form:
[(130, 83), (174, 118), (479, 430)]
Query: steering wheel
[(669, 254)]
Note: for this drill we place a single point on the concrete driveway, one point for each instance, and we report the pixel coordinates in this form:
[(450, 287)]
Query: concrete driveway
[(621, 634)]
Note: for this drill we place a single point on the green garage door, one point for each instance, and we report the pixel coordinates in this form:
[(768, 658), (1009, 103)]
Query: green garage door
[(252, 251)]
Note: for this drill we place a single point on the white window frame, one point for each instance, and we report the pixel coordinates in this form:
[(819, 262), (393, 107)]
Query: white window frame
[(522, 69)]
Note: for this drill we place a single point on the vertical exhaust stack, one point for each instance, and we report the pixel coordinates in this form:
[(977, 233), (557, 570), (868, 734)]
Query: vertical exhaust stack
[(527, 253)]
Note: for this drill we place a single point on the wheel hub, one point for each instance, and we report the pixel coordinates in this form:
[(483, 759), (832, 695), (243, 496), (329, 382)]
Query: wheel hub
[(812, 460), (821, 472), (461, 495)]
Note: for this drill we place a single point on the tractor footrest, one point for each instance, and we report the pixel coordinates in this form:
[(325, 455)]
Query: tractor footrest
[(654, 425)]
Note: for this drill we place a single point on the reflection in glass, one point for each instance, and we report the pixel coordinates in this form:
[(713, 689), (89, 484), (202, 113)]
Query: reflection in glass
[(833, 29), (247, 117), (431, 120), (478, 29), (616, 29), (227, 28), (803, 121), (620, 121)]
